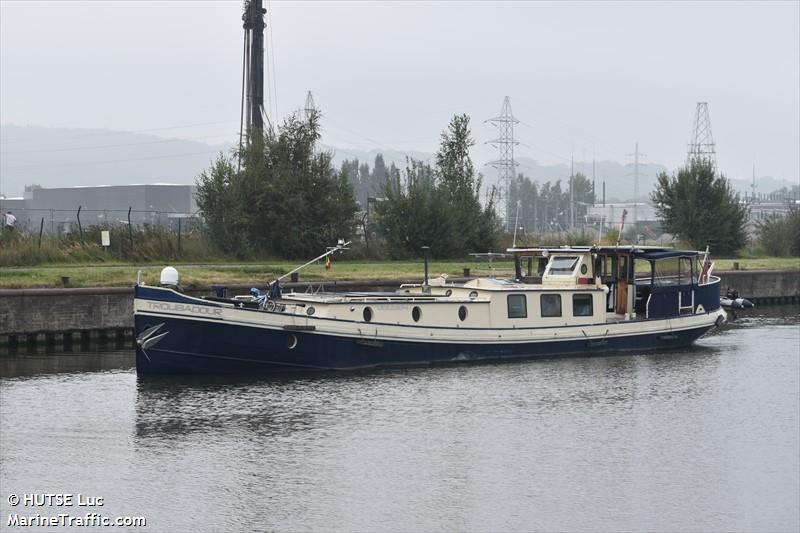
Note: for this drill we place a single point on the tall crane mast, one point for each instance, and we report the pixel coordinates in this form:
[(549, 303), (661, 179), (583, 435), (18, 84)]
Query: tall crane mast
[(253, 66)]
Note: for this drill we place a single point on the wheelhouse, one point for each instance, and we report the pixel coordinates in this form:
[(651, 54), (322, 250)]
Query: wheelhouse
[(639, 282)]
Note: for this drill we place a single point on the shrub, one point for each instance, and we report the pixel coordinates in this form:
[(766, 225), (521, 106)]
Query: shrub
[(780, 236)]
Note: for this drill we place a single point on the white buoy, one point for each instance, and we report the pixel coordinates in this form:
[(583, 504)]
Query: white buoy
[(169, 277)]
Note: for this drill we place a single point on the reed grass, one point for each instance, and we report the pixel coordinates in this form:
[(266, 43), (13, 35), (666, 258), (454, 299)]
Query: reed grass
[(24, 263)]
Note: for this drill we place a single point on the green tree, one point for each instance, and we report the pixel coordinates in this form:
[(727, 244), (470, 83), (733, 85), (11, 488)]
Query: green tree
[(477, 226), (415, 213), (780, 236), (582, 193), (699, 206), (378, 176), (287, 199), (439, 207), (216, 192), (525, 197)]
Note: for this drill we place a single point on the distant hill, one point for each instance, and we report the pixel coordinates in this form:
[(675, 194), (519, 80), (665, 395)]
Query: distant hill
[(368, 156), (58, 157)]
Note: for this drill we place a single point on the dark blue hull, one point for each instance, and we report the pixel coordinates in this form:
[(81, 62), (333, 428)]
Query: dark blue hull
[(201, 347)]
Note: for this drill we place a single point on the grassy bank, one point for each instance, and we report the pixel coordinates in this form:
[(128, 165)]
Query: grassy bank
[(203, 275), (259, 273)]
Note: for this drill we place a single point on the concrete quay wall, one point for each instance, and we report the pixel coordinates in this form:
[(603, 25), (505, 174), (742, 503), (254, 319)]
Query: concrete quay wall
[(762, 286), (103, 312), (44, 311)]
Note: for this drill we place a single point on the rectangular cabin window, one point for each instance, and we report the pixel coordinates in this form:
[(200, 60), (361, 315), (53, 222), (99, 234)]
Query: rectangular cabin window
[(563, 266), (581, 305), (550, 305), (517, 306)]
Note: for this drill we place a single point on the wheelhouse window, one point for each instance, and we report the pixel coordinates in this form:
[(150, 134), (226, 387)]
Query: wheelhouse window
[(550, 305), (581, 305), (686, 273), (517, 306), (623, 267), (666, 271), (674, 271), (563, 266)]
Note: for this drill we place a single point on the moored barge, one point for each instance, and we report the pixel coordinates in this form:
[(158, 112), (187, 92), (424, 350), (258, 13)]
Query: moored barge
[(561, 301)]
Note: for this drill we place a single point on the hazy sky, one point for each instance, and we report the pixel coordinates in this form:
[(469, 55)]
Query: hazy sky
[(583, 77)]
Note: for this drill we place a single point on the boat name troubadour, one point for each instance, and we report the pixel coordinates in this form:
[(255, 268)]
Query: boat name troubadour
[(195, 309)]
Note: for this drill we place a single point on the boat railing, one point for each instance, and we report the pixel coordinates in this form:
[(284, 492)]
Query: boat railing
[(711, 280)]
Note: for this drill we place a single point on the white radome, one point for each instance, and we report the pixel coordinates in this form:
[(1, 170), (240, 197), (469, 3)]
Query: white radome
[(169, 276)]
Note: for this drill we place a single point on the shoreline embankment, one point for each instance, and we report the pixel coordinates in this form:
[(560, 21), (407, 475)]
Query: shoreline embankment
[(70, 316)]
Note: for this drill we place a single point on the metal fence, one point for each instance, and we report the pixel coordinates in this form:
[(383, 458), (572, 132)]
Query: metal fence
[(64, 221)]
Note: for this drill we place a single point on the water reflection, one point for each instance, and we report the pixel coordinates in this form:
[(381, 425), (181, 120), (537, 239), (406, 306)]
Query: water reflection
[(699, 439), (177, 407), (181, 407), (27, 364), (763, 315)]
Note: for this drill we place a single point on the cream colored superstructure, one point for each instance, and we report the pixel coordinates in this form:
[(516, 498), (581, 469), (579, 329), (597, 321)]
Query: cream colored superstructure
[(484, 310)]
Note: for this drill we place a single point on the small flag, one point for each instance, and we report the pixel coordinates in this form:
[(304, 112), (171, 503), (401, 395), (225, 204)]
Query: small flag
[(705, 272), (328, 263), (622, 226)]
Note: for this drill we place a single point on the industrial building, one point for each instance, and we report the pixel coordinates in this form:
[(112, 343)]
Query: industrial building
[(58, 210), (610, 215)]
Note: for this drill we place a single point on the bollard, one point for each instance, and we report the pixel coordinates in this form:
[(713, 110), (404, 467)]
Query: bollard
[(466, 272), (65, 281)]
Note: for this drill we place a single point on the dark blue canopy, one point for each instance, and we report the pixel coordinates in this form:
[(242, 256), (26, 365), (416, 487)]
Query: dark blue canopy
[(655, 255)]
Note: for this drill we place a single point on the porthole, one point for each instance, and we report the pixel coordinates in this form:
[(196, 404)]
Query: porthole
[(448, 292), (416, 313), (584, 269), (291, 341), (310, 311), (462, 313), (473, 295), (367, 314)]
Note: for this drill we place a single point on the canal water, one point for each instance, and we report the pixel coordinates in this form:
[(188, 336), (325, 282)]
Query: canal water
[(704, 439)]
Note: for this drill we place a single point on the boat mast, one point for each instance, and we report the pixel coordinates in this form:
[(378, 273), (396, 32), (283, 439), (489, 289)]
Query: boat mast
[(341, 245)]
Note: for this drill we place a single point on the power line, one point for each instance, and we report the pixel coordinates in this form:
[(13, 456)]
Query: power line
[(274, 92), (570, 126), (111, 132), (97, 147), (89, 163), (375, 143), (636, 155), (561, 157)]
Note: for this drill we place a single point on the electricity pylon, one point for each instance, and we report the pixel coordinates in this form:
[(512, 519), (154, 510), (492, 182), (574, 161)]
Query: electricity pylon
[(701, 147), (310, 106), (505, 164)]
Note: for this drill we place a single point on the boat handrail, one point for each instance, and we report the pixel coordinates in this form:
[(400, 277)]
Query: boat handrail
[(711, 280)]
